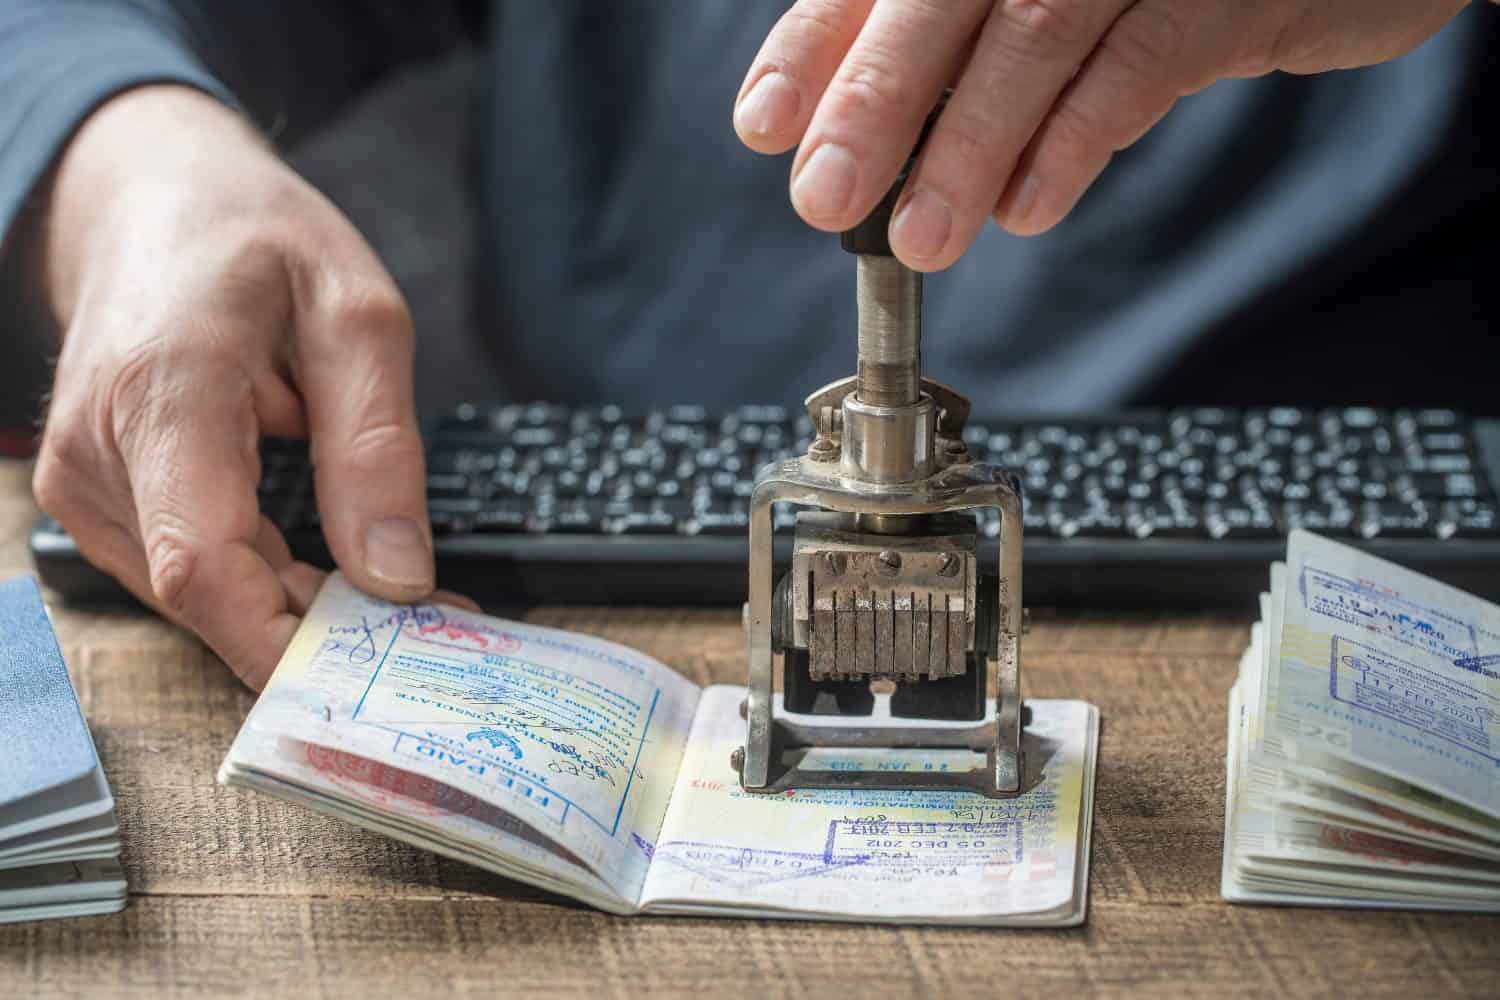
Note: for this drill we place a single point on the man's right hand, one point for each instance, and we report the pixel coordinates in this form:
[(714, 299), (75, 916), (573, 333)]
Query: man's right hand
[(209, 296)]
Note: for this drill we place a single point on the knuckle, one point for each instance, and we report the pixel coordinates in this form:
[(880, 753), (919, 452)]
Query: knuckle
[(869, 87), (374, 310), (1073, 130), (50, 486), (1281, 49), (378, 447), (1048, 24), (966, 138), (172, 560), (66, 458), (1147, 41), (814, 22), (253, 251), (238, 267), (1275, 41)]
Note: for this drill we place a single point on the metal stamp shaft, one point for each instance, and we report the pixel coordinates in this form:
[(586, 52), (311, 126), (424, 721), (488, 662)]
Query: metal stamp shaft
[(889, 296)]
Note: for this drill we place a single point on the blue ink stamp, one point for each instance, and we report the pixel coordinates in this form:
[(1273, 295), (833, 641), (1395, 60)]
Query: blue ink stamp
[(439, 754), (1355, 602), (497, 739), (747, 867), (1484, 666), (921, 844), (1365, 678)]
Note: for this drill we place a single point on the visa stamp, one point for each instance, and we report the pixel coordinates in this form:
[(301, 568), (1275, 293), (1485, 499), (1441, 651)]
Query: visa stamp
[(747, 867), (917, 843), (1441, 707), (1484, 666), (1379, 610)]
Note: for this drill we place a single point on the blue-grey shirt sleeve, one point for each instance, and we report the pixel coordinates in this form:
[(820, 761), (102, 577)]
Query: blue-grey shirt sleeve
[(287, 63)]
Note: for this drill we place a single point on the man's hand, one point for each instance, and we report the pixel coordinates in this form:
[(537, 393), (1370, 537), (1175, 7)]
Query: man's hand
[(1044, 93), (208, 296)]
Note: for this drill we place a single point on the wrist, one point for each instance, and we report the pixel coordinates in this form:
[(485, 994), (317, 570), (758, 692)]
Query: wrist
[(138, 147)]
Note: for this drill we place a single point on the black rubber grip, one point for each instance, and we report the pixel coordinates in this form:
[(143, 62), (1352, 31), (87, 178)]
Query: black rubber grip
[(873, 234)]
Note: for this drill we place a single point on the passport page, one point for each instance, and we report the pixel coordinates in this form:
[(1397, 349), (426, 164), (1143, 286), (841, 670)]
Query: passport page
[(899, 856), (1380, 667), (539, 753)]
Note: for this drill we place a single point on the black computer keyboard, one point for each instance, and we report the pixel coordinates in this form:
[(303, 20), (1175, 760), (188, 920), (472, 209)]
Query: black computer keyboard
[(540, 503)]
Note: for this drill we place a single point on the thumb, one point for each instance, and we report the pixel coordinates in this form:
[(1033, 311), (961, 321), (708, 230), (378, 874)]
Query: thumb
[(355, 372)]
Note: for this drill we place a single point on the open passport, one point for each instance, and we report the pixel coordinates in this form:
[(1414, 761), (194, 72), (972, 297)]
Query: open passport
[(1364, 740), (589, 769)]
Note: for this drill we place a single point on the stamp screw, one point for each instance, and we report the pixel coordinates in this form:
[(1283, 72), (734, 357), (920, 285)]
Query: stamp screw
[(835, 562), (737, 758), (890, 561), (823, 449), (948, 564)]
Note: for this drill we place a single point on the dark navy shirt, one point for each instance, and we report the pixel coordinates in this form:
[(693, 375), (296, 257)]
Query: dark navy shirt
[(1325, 237)]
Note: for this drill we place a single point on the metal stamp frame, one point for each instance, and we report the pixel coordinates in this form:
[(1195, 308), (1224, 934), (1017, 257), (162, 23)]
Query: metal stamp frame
[(819, 485)]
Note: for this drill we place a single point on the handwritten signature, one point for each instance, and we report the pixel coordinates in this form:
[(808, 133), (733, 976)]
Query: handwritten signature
[(364, 647)]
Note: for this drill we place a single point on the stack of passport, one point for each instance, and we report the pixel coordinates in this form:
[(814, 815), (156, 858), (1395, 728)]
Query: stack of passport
[(1364, 740), (59, 843)]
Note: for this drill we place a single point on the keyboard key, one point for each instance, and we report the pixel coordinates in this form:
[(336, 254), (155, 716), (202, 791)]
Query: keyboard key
[(577, 519), (1336, 519), (1467, 519), (535, 437), (1360, 417), (499, 520), (1161, 521), (454, 505), (447, 485), (1444, 441), (761, 414), (643, 523), (1211, 416), (685, 414), (1237, 521), (1392, 519), (1434, 418), (1448, 464), (1286, 416), (1096, 522), (710, 523)]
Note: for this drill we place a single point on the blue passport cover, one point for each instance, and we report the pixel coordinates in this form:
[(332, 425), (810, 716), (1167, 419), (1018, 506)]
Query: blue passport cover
[(44, 741)]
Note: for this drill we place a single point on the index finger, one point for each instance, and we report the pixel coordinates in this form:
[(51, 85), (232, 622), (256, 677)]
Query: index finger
[(870, 115)]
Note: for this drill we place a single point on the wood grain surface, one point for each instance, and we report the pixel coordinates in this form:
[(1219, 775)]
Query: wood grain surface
[(236, 894)]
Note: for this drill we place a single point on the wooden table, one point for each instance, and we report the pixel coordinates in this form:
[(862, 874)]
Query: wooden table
[(233, 892)]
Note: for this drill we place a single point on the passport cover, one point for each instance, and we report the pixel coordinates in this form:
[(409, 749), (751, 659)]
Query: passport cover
[(44, 741)]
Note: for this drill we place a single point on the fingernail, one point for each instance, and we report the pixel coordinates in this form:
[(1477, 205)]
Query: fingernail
[(1025, 200), (922, 226), (769, 107), (396, 552), (825, 184)]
